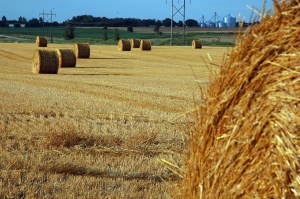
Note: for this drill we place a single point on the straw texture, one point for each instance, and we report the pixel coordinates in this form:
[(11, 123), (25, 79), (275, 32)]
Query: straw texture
[(66, 57), (45, 61), (124, 45), (135, 43), (246, 143), (82, 50), (196, 44), (145, 45), (41, 41)]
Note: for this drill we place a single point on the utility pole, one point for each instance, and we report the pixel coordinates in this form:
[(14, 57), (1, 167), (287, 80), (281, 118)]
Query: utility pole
[(48, 19), (181, 11), (43, 14), (171, 41), (51, 29)]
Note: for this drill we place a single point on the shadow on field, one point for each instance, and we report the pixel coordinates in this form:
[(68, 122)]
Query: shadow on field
[(90, 67), (71, 169), (95, 67), (103, 74), (108, 58)]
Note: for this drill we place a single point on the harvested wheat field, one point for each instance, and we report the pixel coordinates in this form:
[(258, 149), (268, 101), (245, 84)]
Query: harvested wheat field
[(102, 129)]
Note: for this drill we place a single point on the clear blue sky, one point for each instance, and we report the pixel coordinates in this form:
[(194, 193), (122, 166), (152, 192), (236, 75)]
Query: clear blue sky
[(142, 9)]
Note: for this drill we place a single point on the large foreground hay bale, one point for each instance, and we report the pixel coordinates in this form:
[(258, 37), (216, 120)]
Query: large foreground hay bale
[(45, 61), (196, 44), (41, 41), (135, 43), (66, 57), (247, 140), (145, 45), (124, 45), (82, 50)]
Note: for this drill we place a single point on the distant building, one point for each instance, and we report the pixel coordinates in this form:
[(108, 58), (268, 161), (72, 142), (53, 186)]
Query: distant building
[(216, 22), (230, 21)]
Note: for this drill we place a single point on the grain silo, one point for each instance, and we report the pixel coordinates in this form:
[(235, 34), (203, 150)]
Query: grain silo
[(222, 24), (202, 23), (230, 21)]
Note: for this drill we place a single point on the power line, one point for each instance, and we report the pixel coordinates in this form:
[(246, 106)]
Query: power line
[(48, 19), (180, 11)]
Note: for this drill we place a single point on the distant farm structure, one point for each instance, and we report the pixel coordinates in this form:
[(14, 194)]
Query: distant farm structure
[(16, 25), (216, 22)]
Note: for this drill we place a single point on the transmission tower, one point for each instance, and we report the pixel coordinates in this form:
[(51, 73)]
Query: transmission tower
[(181, 11), (48, 19)]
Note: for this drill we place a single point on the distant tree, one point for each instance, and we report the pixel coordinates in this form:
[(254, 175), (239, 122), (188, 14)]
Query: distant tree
[(34, 22), (41, 20), (158, 23), (17, 25), (167, 22), (105, 37), (180, 24), (191, 23), (156, 30), (4, 20), (55, 23), (69, 31), (117, 35), (130, 29), (255, 23), (3, 23), (22, 20), (148, 22)]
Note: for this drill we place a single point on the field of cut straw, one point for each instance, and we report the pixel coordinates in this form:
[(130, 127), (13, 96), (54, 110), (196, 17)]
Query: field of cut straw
[(114, 126)]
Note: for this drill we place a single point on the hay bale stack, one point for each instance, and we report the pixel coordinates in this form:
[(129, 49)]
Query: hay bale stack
[(41, 41), (124, 45), (45, 61), (82, 50), (246, 142), (145, 45), (66, 57), (196, 44), (135, 43)]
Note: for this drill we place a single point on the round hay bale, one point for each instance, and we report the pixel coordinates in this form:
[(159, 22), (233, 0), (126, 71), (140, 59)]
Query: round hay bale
[(246, 140), (196, 44), (41, 41), (82, 50), (45, 61), (135, 43), (145, 45), (66, 57), (124, 45)]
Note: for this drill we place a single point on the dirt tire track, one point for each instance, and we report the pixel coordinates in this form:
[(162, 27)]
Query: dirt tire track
[(13, 56), (114, 93)]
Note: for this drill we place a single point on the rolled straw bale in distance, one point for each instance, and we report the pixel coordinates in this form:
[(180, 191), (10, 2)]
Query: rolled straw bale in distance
[(45, 61), (135, 43), (246, 142), (41, 41), (124, 45), (82, 50), (145, 45), (196, 44), (66, 57)]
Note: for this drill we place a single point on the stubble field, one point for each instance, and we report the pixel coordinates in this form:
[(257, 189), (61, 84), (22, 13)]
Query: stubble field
[(104, 129)]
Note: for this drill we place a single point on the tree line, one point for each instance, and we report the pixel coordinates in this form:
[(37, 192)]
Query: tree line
[(91, 21)]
